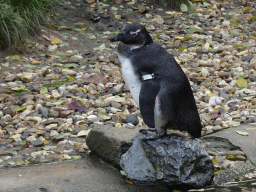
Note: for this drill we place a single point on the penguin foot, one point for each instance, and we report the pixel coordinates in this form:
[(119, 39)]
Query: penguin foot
[(150, 133)]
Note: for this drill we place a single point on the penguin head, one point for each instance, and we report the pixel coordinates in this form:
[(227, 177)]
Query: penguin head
[(133, 34)]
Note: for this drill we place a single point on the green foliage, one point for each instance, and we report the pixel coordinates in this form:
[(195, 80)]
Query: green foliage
[(56, 83), (19, 19), (237, 46), (173, 4), (182, 49)]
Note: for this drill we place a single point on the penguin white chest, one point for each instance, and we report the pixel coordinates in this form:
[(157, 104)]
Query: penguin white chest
[(130, 77)]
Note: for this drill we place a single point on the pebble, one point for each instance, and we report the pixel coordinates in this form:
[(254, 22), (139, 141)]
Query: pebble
[(43, 111), (10, 78), (38, 142), (132, 119)]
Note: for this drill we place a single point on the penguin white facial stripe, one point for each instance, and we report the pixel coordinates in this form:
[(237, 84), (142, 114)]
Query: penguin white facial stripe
[(135, 33)]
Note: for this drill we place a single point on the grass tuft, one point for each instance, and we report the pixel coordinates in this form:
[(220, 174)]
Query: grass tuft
[(19, 19), (173, 4)]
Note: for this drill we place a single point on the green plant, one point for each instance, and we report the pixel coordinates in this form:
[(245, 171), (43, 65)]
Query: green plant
[(19, 19), (173, 4)]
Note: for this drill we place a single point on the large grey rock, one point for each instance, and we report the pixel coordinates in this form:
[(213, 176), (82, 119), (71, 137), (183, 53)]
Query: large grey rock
[(110, 142), (172, 160)]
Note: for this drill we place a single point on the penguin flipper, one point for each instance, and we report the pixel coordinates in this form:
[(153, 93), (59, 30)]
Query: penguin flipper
[(148, 92)]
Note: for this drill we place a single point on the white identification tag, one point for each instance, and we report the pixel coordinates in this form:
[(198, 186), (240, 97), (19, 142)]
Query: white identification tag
[(147, 77)]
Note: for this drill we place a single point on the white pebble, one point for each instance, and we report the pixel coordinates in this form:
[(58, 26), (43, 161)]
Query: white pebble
[(216, 100)]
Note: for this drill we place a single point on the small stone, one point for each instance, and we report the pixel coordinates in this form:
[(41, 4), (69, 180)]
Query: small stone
[(51, 126), (54, 133), (15, 136), (52, 47), (116, 89), (216, 101), (252, 119), (116, 61), (226, 23), (116, 105), (53, 113), (43, 111), (59, 137), (223, 74), (100, 87), (83, 133), (38, 142), (253, 101), (213, 115), (9, 110), (90, 1), (218, 122), (164, 37), (133, 119), (62, 88), (66, 156), (10, 130), (240, 158), (216, 128), (3, 123), (68, 72), (25, 135), (2, 132), (70, 53), (205, 72), (55, 94), (229, 89), (213, 153), (26, 77), (65, 114), (10, 77), (118, 2)]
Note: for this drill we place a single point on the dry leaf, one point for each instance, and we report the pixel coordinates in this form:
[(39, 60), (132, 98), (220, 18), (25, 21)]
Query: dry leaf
[(243, 133), (250, 128), (56, 41), (80, 23), (90, 1), (84, 29), (128, 181), (54, 25), (75, 105), (246, 9), (47, 38), (241, 82), (35, 62)]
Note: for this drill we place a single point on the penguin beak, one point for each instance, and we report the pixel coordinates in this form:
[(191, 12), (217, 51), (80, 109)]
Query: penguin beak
[(119, 37)]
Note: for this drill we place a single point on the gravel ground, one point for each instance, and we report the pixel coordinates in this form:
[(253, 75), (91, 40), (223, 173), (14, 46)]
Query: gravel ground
[(70, 77)]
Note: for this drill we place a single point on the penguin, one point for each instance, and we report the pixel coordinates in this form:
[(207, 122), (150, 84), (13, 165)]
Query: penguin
[(157, 84)]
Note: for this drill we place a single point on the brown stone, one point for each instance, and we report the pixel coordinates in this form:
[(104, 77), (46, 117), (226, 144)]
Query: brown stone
[(90, 1), (9, 110), (223, 74), (243, 17), (53, 113), (253, 101), (96, 78), (65, 114), (119, 2)]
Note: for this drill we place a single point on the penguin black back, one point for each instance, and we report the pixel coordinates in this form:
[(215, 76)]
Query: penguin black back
[(162, 89)]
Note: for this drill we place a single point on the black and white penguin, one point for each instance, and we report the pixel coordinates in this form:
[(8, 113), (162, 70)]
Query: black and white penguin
[(157, 83)]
